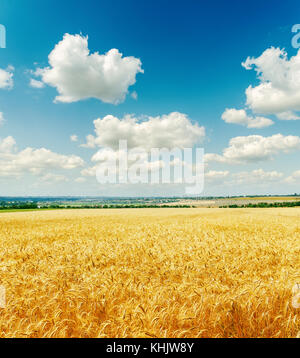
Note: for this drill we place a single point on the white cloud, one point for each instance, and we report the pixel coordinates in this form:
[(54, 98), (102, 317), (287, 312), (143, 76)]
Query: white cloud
[(255, 148), (80, 180), (213, 175), (134, 95), (107, 153), (240, 117), (53, 178), (89, 172), (287, 116), (30, 160), (36, 84), (213, 157), (257, 176), (44, 158), (279, 88), (7, 145), (78, 74), (170, 131), (294, 178), (1, 118), (139, 150), (74, 138), (6, 78)]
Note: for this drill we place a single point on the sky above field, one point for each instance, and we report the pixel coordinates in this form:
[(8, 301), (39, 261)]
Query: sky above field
[(76, 77)]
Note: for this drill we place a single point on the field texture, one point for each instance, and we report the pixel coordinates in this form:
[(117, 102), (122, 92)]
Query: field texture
[(150, 273)]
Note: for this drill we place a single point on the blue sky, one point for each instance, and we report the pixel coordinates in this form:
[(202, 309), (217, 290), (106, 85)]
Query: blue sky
[(191, 54)]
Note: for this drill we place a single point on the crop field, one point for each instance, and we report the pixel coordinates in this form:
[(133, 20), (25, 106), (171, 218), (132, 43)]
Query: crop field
[(150, 273)]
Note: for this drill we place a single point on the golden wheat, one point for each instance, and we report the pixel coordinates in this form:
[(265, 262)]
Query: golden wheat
[(150, 273)]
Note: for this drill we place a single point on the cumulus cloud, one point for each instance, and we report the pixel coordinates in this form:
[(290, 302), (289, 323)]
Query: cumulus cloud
[(89, 172), (279, 88), (294, 178), (134, 95), (30, 160), (53, 178), (74, 138), (287, 116), (36, 84), (257, 176), (6, 78), (7, 145), (1, 118), (174, 132), (44, 158), (80, 180), (240, 117), (78, 74), (215, 176), (169, 131), (255, 148)]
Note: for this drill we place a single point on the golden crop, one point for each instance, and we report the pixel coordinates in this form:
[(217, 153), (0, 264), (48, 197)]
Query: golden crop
[(150, 273)]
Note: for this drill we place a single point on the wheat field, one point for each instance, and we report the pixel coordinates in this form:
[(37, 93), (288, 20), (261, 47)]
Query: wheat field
[(150, 273)]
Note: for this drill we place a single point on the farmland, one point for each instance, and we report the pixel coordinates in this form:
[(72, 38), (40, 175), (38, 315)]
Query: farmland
[(150, 273)]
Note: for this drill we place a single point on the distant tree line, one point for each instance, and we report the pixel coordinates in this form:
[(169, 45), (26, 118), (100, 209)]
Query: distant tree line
[(19, 205), (32, 205), (124, 206), (287, 204)]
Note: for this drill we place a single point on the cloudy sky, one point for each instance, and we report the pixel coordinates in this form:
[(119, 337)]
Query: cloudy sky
[(222, 75)]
